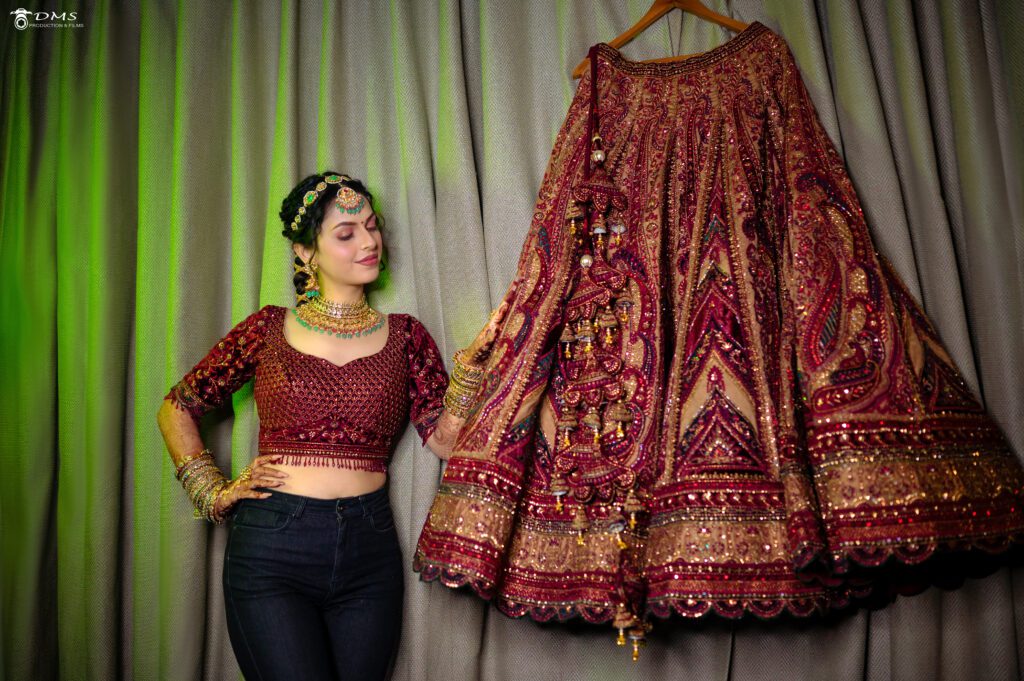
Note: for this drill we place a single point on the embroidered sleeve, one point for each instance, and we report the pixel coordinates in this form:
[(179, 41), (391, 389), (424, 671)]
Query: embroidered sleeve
[(226, 367), (427, 380)]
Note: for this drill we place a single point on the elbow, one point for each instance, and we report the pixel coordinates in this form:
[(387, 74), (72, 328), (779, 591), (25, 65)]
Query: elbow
[(164, 415), (168, 406), (170, 416)]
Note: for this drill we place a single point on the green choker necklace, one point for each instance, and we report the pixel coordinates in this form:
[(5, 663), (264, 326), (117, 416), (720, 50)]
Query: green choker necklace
[(344, 320)]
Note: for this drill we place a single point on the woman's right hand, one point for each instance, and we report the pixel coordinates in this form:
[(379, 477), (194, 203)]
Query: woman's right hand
[(262, 475)]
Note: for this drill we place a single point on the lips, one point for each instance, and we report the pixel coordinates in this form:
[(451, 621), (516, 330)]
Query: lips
[(372, 260)]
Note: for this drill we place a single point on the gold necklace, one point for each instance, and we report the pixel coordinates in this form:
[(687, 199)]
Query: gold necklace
[(344, 320)]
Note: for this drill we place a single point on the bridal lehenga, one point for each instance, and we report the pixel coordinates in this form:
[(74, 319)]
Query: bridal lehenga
[(710, 392)]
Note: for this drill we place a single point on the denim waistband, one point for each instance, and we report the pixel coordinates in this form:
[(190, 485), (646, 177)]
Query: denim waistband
[(297, 504)]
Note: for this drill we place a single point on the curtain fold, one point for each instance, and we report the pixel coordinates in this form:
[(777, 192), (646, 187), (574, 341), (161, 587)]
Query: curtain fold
[(28, 408), (143, 159)]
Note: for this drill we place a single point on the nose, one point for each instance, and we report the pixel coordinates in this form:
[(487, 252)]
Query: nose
[(367, 242)]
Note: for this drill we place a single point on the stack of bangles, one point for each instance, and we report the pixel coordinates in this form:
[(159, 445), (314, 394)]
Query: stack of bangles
[(465, 381), (203, 482)]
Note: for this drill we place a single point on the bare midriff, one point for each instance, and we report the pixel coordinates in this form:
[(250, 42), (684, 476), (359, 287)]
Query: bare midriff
[(328, 483)]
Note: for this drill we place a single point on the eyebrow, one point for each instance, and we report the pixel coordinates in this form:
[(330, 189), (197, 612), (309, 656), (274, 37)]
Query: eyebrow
[(352, 222)]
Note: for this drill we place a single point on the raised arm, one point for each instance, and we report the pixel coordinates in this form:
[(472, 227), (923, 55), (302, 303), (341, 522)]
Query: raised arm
[(460, 392)]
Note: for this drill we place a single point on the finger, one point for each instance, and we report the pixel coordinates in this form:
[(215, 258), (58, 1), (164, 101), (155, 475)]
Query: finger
[(257, 471), (264, 459), (254, 484), (253, 494), (262, 471), (259, 481)]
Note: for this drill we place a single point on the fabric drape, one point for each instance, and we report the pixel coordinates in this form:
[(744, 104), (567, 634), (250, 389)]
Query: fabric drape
[(710, 392), (143, 158)]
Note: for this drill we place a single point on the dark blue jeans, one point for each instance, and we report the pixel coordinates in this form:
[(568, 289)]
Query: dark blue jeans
[(313, 587)]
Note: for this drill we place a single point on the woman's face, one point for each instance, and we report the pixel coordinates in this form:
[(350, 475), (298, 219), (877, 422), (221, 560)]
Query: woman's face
[(348, 247)]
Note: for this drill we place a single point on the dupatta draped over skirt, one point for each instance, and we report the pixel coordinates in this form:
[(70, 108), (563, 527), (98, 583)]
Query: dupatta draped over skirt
[(710, 392)]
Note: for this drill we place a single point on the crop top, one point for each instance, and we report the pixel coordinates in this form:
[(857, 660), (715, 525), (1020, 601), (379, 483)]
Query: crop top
[(315, 412)]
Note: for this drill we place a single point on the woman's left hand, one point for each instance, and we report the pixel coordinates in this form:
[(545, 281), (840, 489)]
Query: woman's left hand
[(479, 350)]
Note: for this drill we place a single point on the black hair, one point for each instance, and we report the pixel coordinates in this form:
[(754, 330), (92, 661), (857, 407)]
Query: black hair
[(309, 227)]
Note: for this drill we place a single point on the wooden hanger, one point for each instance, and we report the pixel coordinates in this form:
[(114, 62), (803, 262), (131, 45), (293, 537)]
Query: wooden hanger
[(659, 9)]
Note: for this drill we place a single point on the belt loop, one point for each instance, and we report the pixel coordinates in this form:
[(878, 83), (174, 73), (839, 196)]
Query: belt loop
[(299, 507)]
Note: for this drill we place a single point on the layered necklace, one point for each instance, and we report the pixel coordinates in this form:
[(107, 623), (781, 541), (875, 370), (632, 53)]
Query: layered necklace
[(344, 320)]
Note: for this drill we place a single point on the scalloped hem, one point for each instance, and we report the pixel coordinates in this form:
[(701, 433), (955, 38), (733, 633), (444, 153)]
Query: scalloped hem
[(856, 561), (851, 592), (431, 572), (738, 608), (685, 607), (484, 588)]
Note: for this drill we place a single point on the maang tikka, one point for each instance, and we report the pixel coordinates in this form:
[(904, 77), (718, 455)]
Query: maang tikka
[(348, 199)]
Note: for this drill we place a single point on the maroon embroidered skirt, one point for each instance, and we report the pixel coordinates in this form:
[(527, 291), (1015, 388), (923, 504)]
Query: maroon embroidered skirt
[(711, 393)]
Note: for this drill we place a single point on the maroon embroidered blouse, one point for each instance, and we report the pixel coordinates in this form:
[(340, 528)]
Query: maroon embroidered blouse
[(315, 412)]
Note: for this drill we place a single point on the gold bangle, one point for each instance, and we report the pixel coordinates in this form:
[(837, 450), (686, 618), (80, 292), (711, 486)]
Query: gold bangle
[(465, 366), (458, 400), (462, 387), (456, 409), (466, 375), (189, 459), (203, 481)]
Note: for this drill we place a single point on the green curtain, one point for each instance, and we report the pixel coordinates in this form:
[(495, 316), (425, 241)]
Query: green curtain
[(143, 158)]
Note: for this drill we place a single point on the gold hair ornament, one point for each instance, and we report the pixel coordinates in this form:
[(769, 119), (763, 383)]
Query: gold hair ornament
[(348, 199)]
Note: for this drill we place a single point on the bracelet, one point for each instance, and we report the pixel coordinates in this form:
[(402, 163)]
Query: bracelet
[(203, 481), (458, 404), (463, 386), (187, 460), (465, 372)]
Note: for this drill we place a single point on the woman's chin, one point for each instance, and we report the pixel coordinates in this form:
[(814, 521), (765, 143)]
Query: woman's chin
[(368, 277)]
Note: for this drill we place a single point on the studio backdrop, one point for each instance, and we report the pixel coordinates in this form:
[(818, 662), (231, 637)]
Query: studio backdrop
[(144, 154)]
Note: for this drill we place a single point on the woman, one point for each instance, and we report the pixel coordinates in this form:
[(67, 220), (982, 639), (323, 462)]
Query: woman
[(313, 570)]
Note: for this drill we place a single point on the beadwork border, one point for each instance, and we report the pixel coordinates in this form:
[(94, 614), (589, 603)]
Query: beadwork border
[(696, 62)]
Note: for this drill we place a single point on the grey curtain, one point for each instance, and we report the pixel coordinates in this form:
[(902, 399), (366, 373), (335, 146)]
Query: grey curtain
[(145, 155)]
